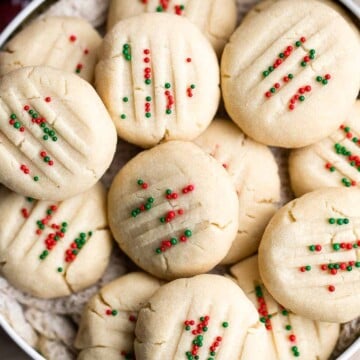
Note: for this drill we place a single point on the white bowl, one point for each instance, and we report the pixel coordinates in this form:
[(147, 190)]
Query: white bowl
[(353, 350)]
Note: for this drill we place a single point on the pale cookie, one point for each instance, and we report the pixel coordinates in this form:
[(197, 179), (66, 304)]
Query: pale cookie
[(254, 173), (290, 336), (206, 316), (56, 137), (334, 161), (282, 71), (215, 18), (47, 249), (65, 43), (173, 210), (159, 79), (108, 322), (309, 258)]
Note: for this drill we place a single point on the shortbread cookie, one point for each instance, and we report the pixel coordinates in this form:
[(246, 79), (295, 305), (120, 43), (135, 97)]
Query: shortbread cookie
[(108, 322), (56, 137), (254, 172), (206, 316), (215, 18), (334, 161), (290, 335), (282, 71), (159, 79), (309, 258), (173, 210), (66, 43), (47, 249)]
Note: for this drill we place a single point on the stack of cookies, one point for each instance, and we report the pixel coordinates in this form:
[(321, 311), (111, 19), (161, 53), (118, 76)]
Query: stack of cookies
[(221, 270)]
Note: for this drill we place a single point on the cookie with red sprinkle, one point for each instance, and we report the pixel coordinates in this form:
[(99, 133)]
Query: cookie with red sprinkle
[(56, 137), (309, 255), (150, 88), (174, 210), (107, 327), (215, 18), (272, 88), (66, 43), (204, 317), (289, 335), (333, 161), (47, 248)]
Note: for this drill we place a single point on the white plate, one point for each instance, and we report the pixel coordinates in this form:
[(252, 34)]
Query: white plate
[(353, 5)]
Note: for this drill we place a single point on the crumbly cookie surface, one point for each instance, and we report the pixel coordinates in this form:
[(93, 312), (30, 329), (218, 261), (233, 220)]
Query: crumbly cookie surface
[(254, 172)]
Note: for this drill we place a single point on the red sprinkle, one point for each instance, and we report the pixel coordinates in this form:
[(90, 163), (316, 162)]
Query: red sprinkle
[(72, 38), (48, 99), (331, 288)]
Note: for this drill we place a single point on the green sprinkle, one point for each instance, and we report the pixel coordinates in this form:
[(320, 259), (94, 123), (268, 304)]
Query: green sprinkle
[(90, 233), (285, 312), (312, 57), (288, 327), (349, 268), (324, 82), (83, 235), (336, 266), (265, 73), (225, 324), (54, 138), (281, 55), (346, 221), (187, 328), (298, 43), (357, 264), (114, 312), (123, 116), (205, 328), (148, 98), (51, 132), (188, 233), (174, 241), (134, 213), (302, 98), (312, 247), (162, 220), (168, 111), (168, 192), (158, 251), (332, 221), (272, 90), (290, 76), (17, 125), (271, 69), (125, 99), (36, 178), (319, 79), (336, 247), (128, 57), (312, 52), (60, 269), (339, 221), (31, 111), (46, 137), (150, 200), (303, 64), (167, 85), (148, 115), (263, 320), (159, 9), (148, 206), (308, 267), (193, 86), (147, 81)]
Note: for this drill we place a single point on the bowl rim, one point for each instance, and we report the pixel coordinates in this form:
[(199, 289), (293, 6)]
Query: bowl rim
[(4, 36)]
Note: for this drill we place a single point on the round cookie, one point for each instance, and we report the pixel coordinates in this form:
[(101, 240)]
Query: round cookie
[(159, 79), (173, 210), (215, 18), (289, 335), (108, 322), (65, 43), (206, 316), (282, 69), (47, 248), (56, 137), (333, 161), (246, 162), (309, 255)]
